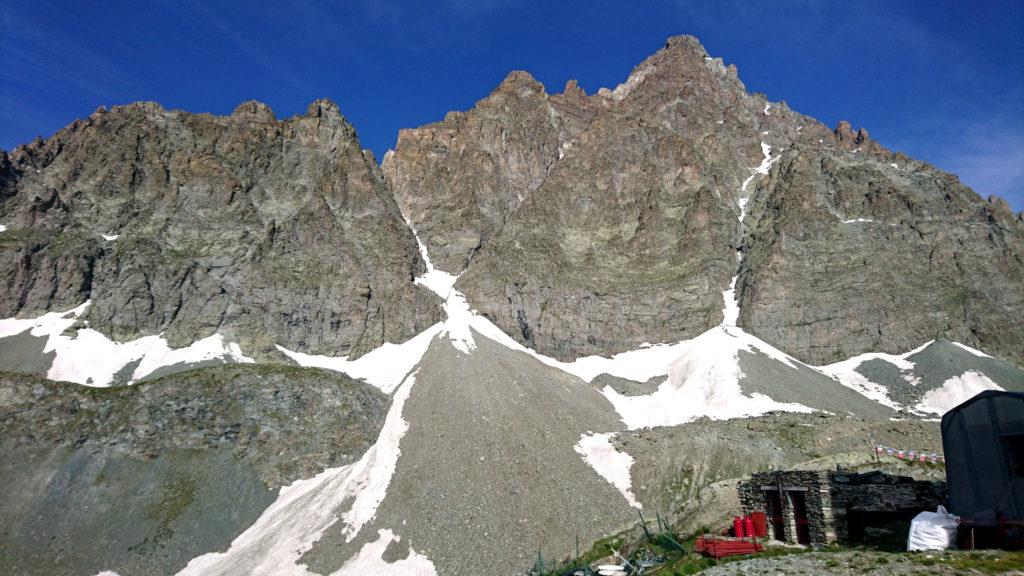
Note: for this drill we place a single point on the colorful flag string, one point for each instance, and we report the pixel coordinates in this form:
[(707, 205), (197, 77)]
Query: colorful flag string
[(915, 456)]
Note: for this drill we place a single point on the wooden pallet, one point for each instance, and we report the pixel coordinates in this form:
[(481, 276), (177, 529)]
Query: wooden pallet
[(719, 546)]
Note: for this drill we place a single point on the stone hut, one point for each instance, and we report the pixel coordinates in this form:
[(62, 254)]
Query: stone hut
[(817, 508)]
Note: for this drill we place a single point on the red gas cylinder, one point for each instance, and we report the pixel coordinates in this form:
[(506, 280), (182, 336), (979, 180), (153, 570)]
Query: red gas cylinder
[(760, 524), (748, 526), (737, 527)]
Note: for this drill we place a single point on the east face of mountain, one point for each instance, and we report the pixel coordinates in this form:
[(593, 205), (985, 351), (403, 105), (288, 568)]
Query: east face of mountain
[(266, 231), (851, 251), (592, 224)]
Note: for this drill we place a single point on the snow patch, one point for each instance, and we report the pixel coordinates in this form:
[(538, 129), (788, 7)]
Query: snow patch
[(370, 560), (764, 167), (955, 391), (437, 281), (857, 220), (978, 353), (110, 237), (306, 508), (384, 367), (456, 308), (612, 465), (561, 152), (3, 228), (90, 358), (893, 164), (845, 373), (703, 380), (767, 106)]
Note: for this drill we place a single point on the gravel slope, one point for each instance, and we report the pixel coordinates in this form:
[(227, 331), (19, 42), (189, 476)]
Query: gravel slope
[(488, 474)]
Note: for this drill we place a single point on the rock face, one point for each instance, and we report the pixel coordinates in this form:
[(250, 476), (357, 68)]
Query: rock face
[(142, 479), (857, 251), (459, 180), (593, 224), (622, 234), (267, 231), (250, 409)]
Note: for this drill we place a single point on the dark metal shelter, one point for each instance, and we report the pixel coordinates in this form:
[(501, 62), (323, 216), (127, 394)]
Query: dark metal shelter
[(983, 439)]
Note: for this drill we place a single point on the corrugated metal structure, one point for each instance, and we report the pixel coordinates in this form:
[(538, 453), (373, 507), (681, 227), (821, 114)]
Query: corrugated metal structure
[(983, 439)]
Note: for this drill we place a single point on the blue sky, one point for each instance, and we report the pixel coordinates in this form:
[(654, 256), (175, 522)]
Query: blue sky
[(941, 81)]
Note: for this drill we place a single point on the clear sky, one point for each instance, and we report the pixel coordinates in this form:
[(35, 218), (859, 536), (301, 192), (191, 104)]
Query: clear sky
[(941, 81)]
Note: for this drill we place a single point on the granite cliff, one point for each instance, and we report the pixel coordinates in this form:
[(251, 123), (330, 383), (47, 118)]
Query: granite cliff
[(592, 224), (266, 231)]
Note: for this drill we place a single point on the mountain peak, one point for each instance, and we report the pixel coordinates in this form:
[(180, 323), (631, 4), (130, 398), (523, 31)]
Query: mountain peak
[(325, 109), (847, 138), (572, 88), (685, 43), (254, 110), (517, 80)]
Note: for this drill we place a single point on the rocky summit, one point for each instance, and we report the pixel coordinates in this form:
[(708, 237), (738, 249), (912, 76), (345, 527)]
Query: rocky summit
[(268, 232), (238, 345), (592, 224)]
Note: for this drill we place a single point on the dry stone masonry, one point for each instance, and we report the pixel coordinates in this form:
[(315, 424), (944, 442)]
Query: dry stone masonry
[(835, 505)]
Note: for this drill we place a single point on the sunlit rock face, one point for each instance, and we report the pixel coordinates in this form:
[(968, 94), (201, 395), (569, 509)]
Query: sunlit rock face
[(593, 224), (262, 230)]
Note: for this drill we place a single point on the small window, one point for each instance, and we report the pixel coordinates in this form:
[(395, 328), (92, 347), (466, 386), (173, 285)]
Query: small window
[(1013, 445)]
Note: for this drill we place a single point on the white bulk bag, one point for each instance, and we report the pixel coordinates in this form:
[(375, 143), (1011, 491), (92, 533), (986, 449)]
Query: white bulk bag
[(932, 530)]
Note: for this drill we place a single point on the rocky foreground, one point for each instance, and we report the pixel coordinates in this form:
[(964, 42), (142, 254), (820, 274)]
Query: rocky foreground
[(143, 479), (855, 563)]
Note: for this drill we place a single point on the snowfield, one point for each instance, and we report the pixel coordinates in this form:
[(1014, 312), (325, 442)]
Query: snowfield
[(384, 367), (845, 373), (612, 465), (977, 353), (369, 560), (90, 358), (955, 391)]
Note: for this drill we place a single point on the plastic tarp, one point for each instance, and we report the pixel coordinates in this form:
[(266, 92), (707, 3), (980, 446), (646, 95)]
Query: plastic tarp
[(932, 530)]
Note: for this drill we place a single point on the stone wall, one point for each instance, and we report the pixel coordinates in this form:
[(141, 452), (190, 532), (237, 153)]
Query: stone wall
[(878, 492), (831, 497), (812, 484)]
